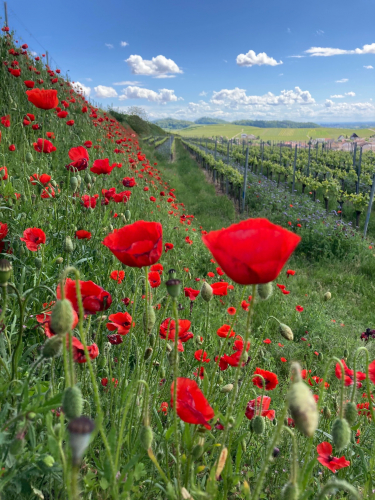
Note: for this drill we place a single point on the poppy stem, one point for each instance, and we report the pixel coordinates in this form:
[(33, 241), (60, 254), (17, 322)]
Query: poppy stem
[(370, 403), (16, 353), (294, 468), (175, 376)]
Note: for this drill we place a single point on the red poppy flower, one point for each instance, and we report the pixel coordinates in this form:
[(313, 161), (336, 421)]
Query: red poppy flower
[(283, 360), (253, 251), (267, 341), (12, 147), (137, 245), (219, 271), (371, 371), (5, 121), (3, 172), (3, 230), (191, 293), (290, 272), (231, 310), (152, 198), (286, 292), (299, 309), (80, 158), (94, 297), (79, 353), (115, 339), (269, 377), (349, 374), (253, 408), (89, 201), (154, 279), (29, 84), (43, 179), (199, 373), (128, 182), (81, 234), (201, 355), (87, 144), (282, 287), (192, 407), (43, 98), (33, 237), (157, 267), (168, 330), (245, 305), (164, 407), (117, 276), (325, 458), (223, 332), (121, 322), (62, 114), (70, 123), (102, 167), (220, 288), (44, 145)]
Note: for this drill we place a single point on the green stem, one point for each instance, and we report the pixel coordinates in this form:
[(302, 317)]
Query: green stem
[(15, 356), (175, 377)]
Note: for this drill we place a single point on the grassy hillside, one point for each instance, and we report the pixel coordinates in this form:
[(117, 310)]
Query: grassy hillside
[(139, 125)]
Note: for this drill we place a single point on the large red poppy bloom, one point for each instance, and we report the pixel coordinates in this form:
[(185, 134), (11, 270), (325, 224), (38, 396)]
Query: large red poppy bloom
[(223, 332), (252, 251), (33, 238), (269, 377), (43, 179), (94, 297), (44, 146), (192, 407), (191, 293), (82, 234), (325, 457), (349, 374), (79, 353), (43, 98), (80, 158), (120, 322), (3, 230), (154, 279), (253, 408), (168, 329), (220, 288), (128, 182), (137, 245), (102, 167)]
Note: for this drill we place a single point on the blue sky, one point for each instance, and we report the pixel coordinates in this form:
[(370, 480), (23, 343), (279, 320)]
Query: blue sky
[(232, 60)]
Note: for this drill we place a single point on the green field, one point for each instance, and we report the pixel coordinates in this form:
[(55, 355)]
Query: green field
[(272, 134)]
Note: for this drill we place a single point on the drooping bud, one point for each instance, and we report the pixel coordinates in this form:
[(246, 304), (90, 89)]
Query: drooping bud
[(327, 296), (290, 491), (80, 430), (350, 413), (286, 332), (340, 433), (346, 353), (227, 388), (173, 287), (265, 290), (62, 317), (72, 402), (258, 425), (320, 356), (146, 437), (302, 404), (150, 317), (53, 347), (5, 271), (73, 183), (206, 292), (68, 245)]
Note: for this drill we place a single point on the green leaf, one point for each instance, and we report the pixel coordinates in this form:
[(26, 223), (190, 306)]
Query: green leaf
[(309, 468), (169, 433), (103, 483), (139, 471)]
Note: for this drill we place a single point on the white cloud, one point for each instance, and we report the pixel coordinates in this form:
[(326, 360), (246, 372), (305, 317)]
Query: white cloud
[(327, 51), (320, 32), (225, 60), (343, 80), (237, 97), (124, 44), (369, 67), (203, 93), (337, 96), (161, 97), (88, 79), (81, 89), (253, 59), (351, 94), (297, 57), (345, 109), (127, 82), (109, 45), (158, 66), (104, 92), (33, 53), (281, 74), (165, 76)]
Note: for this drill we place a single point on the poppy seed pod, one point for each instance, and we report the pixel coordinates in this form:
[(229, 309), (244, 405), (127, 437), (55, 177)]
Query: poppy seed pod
[(350, 413), (150, 317), (227, 388), (146, 437), (172, 274), (206, 292), (289, 491), (302, 404), (258, 425), (80, 430), (340, 433), (5, 271), (52, 347), (68, 245), (72, 402), (73, 183), (62, 318), (265, 290), (286, 332), (173, 287), (327, 296), (29, 158)]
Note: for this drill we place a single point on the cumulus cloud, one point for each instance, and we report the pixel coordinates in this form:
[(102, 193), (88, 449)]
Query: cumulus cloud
[(109, 45), (338, 96), (104, 92), (345, 108), (297, 57), (127, 82), (253, 59), (343, 80), (33, 53), (158, 67), (81, 89), (203, 93), (124, 44), (161, 97), (351, 94), (369, 67), (328, 51), (237, 97)]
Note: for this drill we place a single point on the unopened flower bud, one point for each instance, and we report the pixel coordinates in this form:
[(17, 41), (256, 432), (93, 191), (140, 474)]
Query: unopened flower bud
[(340, 433), (173, 287), (62, 318), (68, 245), (79, 180), (265, 290), (227, 388), (258, 425), (72, 402), (80, 430), (286, 332), (73, 183), (327, 296), (52, 347), (150, 318), (5, 271), (146, 437), (206, 292), (38, 262), (148, 353), (29, 158), (275, 452), (290, 491), (87, 178), (350, 413), (59, 260), (48, 461), (243, 445), (197, 451), (128, 215), (346, 353), (327, 413), (320, 356)]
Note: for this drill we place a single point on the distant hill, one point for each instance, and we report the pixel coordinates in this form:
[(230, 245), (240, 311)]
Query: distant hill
[(139, 125), (172, 123), (275, 124), (205, 120), (352, 125)]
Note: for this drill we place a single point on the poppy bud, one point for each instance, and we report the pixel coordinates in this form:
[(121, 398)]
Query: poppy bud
[(146, 437), (172, 274), (31, 416), (286, 332), (133, 288), (232, 420), (326, 413), (227, 388), (62, 317), (173, 287), (88, 186), (171, 494), (265, 290), (162, 372), (346, 353), (169, 347), (59, 260), (80, 430), (128, 215), (290, 492), (79, 180), (151, 318), (275, 452), (350, 413), (5, 271), (152, 339), (302, 404), (73, 183), (258, 425), (29, 158), (206, 292), (87, 178), (274, 422), (197, 451), (327, 296), (54, 184), (38, 262), (48, 460), (148, 353), (72, 402), (52, 347), (68, 245), (243, 445), (340, 433), (320, 356)]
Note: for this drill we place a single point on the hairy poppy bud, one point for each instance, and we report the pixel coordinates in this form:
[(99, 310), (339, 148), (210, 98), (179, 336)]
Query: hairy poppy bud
[(302, 404), (340, 433), (173, 287), (68, 245), (286, 332), (148, 353), (150, 317), (79, 180), (62, 317), (350, 413), (197, 451), (290, 491), (38, 262), (152, 339), (326, 413), (227, 388), (346, 353), (29, 158), (258, 425), (243, 445), (52, 347), (320, 356), (327, 296), (206, 292), (59, 260), (48, 461), (87, 178), (128, 215), (73, 183), (146, 437), (72, 402), (5, 271), (80, 430), (265, 290)]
